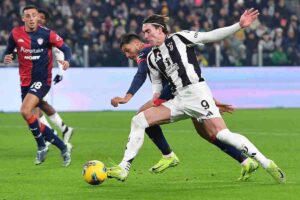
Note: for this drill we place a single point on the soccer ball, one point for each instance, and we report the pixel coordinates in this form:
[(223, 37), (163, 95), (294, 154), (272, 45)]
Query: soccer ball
[(94, 172)]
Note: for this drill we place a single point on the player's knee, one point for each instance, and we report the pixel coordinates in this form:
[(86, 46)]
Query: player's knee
[(139, 120), (25, 112), (223, 135)]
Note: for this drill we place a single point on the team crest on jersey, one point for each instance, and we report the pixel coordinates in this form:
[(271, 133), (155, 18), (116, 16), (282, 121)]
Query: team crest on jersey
[(40, 41), (158, 57), (58, 38), (20, 40), (170, 45)]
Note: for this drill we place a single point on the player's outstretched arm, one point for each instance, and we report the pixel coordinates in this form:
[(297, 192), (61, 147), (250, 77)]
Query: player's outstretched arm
[(248, 17)]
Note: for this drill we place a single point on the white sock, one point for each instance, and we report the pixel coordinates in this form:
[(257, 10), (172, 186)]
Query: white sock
[(56, 119), (135, 139), (243, 144), (44, 121)]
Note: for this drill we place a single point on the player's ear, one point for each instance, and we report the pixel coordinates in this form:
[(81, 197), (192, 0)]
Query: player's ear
[(160, 29), (136, 42)]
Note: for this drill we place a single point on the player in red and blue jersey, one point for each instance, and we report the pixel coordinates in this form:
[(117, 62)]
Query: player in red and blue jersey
[(135, 49), (34, 49)]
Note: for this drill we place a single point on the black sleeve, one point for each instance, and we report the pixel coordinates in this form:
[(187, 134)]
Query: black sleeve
[(11, 45), (139, 78)]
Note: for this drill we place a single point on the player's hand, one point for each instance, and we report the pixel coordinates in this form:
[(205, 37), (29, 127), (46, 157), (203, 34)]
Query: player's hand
[(225, 108), (64, 63), (155, 96), (248, 17), (57, 79), (8, 59), (118, 100)]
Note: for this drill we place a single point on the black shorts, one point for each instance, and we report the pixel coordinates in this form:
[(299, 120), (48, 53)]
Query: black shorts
[(37, 88)]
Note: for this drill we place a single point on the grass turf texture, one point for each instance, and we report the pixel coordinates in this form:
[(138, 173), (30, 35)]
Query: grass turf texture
[(204, 172)]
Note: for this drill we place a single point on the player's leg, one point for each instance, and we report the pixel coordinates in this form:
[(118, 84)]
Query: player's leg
[(31, 98), (200, 104), (249, 166), (149, 117), (217, 127), (155, 133), (29, 102), (57, 120), (56, 141), (39, 114)]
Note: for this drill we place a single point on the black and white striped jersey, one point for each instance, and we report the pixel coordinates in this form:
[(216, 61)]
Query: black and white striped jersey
[(176, 58)]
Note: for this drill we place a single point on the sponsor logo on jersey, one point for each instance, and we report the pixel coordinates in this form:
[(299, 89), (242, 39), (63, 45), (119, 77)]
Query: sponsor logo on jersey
[(40, 41), (58, 38), (32, 57), (24, 50), (20, 40)]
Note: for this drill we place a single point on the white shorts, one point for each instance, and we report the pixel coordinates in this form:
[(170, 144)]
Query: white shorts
[(194, 101)]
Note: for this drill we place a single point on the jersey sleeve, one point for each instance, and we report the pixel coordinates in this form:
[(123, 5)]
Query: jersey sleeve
[(192, 37), (11, 45), (154, 76), (139, 77), (57, 41)]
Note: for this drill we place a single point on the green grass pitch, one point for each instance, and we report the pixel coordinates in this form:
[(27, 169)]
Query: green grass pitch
[(204, 172)]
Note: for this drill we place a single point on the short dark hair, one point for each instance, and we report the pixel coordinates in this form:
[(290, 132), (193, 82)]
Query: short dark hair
[(46, 13), (157, 21), (127, 38), (29, 7)]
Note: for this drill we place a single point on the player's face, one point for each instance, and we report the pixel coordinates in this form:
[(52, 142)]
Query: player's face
[(152, 34), (42, 19), (130, 50), (30, 18)]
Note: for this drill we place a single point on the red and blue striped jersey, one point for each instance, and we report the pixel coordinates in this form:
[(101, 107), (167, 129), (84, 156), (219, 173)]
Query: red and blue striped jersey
[(34, 50)]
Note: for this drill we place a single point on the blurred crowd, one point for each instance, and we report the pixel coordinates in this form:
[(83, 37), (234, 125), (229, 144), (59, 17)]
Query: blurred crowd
[(101, 23)]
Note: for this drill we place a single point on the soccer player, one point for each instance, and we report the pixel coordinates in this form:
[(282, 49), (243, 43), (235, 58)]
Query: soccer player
[(44, 105), (173, 57), (33, 44), (133, 48)]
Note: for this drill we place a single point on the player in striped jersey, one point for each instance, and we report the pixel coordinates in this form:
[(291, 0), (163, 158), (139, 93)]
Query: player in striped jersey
[(133, 48), (173, 56)]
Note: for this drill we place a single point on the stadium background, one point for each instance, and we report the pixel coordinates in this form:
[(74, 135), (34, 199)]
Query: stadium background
[(253, 68)]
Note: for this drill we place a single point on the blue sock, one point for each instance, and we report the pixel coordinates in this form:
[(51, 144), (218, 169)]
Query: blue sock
[(230, 150), (156, 135), (35, 129), (54, 139)]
